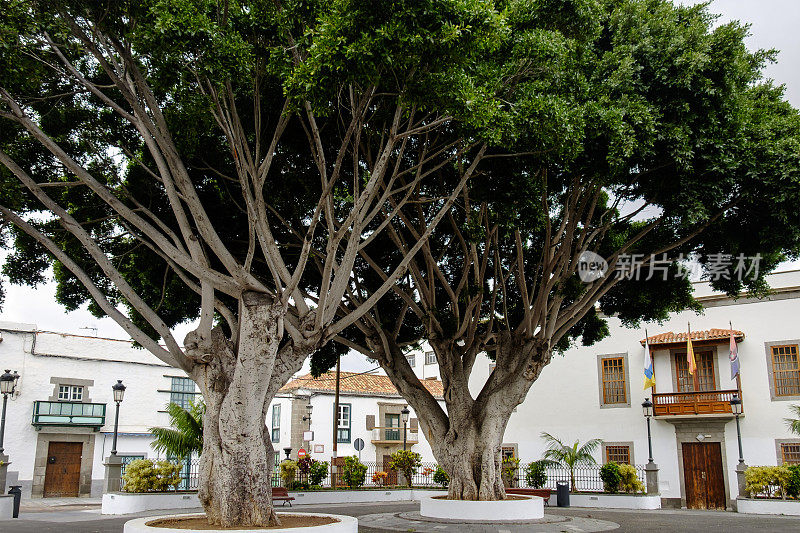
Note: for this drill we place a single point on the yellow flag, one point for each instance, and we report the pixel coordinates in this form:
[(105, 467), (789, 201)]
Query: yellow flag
[(690, 353)]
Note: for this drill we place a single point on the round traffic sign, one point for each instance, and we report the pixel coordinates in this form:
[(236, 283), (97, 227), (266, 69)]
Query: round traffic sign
[(302, 453), (359, 444)]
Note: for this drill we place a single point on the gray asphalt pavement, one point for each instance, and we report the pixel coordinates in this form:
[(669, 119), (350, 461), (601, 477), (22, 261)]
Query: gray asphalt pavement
[(90, 520)]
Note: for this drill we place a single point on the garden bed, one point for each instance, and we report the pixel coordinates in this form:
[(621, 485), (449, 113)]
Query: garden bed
[(768, 506), (295, 523)]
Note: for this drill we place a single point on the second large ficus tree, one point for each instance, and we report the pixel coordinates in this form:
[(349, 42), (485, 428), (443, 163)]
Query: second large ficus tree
[(658, 139), (228, 162)]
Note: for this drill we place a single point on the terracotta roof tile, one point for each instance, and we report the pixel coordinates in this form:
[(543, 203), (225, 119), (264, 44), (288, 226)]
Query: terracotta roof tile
[(353, 382), (702, 335)]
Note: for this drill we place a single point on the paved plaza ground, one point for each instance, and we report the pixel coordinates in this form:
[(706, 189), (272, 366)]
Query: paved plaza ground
[(83, 516)]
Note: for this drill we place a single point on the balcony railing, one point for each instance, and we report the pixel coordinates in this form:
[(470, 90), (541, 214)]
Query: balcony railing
[(393, 435), (716, 402), (69, 414)]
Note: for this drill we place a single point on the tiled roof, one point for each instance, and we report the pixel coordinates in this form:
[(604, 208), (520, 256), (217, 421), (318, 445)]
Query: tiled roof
[(702, 335), (353, 382)]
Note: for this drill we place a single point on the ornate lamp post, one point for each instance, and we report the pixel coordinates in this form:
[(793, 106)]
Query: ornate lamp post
[(651, 469), (736, 409), (647, 407), (404, 415), (119, 394), (8, 382)]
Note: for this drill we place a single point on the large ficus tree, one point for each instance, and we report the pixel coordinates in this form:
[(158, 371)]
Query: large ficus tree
[(229, 161), (662, 141)]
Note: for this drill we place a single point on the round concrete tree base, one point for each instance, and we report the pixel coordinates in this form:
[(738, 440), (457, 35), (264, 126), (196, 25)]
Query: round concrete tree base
[(345, 524), (524, 508)]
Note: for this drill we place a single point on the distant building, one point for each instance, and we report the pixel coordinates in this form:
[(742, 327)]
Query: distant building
[(369, 409)]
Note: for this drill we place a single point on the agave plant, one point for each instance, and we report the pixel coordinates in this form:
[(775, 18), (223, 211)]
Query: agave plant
[(559, 454), (794, 423), (186, 434)]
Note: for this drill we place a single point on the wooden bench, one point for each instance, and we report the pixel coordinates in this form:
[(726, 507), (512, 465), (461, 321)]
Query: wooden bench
[(542, 493), (280, 494)]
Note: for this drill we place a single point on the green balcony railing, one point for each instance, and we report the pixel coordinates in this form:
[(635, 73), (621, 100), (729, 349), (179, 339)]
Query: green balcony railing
[(69, 414)]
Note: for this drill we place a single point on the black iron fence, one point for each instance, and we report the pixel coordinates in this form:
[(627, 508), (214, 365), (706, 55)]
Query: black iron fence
[(587, 478)]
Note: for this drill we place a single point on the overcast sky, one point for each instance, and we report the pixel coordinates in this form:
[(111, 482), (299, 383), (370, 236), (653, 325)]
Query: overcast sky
[(774, 24)]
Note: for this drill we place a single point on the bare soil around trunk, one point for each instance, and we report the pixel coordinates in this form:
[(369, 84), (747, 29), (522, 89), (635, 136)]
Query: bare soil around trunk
[(200, 523)]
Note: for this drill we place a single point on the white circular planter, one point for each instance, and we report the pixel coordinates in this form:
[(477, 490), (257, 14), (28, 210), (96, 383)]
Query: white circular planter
[(346, 524), (525, 508)]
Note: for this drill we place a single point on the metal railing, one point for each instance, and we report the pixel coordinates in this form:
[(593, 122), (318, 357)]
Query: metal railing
[(70, 414), (394, 435), (587, 478)]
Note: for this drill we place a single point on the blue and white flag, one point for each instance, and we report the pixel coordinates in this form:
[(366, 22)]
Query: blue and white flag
[(649, 376)]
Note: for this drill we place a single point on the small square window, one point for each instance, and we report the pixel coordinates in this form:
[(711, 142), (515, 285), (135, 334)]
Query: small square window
[(412, 360), (63, 393), (77, 393), (430, 358), (618, 454)]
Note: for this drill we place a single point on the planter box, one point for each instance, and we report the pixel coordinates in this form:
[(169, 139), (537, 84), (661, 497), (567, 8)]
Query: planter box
[(764, 506), (615, 501), (324, 497), (6, 506), (346, 524), (525, 508), (126, 503)]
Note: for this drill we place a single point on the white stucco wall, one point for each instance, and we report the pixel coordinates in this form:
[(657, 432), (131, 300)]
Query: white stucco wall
[(101, 360)]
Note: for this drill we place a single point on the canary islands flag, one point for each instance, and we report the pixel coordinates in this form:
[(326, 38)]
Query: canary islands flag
[(649, 376), (690, 353)]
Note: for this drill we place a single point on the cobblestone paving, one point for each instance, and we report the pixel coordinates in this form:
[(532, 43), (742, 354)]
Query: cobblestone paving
[(412, 521)]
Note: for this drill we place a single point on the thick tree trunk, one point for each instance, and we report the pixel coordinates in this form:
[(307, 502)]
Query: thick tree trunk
[(467, 440), (236, 465)]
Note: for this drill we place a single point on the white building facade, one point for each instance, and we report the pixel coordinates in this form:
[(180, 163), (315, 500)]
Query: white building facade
[(597, 392), (60, 419)]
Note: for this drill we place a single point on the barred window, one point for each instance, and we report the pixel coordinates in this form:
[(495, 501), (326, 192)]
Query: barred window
[(619, 454), (182, 392), (786, 370), (790, 453), (614, 380)]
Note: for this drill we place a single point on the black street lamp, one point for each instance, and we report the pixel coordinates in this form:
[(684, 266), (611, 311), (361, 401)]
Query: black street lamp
[(119, 393), (404, 415), (736, 409), (309, 408), (8, 382), (647, 407)]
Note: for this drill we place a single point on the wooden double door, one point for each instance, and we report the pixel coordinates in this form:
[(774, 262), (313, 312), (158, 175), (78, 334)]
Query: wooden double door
[(62, 475), (702, 474)]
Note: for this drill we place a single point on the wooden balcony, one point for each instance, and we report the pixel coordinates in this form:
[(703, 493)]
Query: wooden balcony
[(69, 414), (386, 435), (689, 404)]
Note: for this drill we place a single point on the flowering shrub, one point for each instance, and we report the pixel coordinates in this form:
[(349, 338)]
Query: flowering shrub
[(406, 462), (146, 475), (761, 478), (379, 478), (427, 471), (629, 481), (441, 477)]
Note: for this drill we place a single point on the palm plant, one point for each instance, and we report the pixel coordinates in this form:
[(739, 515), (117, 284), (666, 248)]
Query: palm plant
[(794, 423), (559, 454), (186, 434)]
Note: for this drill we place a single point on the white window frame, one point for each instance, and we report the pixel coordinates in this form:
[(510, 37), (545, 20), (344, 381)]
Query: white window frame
[(70, 393), (276, 422), (344, 423), (412, 359), (430, 358)]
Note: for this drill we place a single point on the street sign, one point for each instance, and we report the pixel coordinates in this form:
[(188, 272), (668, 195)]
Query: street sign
[(358, 444), (301, 453)]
